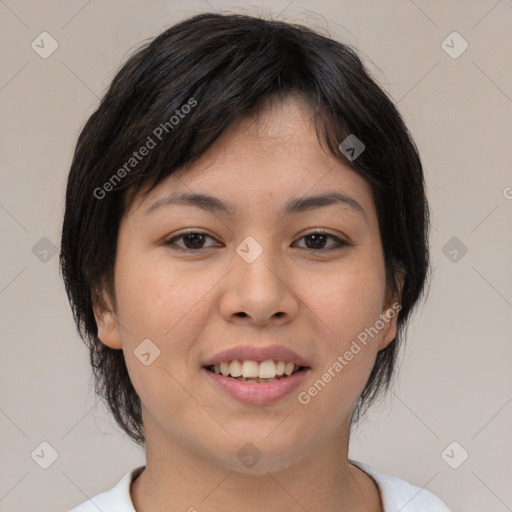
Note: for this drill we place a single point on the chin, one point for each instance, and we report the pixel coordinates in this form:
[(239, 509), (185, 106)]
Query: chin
[(259, 455)]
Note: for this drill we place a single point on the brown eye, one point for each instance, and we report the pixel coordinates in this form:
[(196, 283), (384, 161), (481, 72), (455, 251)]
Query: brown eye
[(319, 241), (192, 240), (316, 241)]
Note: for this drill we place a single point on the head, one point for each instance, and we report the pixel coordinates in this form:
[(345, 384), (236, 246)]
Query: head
[(252, 112)]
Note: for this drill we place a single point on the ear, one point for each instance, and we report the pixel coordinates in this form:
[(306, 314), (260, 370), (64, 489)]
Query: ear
[(106, 320), (390, 312)]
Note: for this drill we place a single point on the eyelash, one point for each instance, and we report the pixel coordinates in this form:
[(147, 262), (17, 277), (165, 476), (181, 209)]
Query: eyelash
[(171, 242)]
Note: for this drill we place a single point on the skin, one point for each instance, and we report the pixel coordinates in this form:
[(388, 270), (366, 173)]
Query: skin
[(188, 303)]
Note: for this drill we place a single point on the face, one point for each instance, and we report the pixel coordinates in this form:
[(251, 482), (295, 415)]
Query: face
[(261, 264)]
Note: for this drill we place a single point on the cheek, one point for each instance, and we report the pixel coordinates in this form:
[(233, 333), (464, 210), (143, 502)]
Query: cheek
[(349, 299), (168, 306), (159, 299), (347, 355), (345, 305)]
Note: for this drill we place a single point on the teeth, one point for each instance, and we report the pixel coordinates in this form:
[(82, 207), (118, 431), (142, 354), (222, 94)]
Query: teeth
[(235, 368), (288, 369), (252, 371), (267, 370), (224, 369), (280, 368)]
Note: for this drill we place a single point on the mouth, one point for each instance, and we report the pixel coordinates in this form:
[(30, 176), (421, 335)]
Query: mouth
[(256, 372), (257, 375), (242, 380)]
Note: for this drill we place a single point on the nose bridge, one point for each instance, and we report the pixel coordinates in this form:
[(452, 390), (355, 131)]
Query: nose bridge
[(257, 286), (259, 265)]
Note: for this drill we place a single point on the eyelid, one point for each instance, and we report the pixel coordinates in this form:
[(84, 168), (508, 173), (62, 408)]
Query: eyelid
[(341, 241), (324, 231), (171, 239)]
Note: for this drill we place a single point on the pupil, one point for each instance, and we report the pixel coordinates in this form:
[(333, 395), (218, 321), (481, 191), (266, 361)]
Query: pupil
[(318, 241), (194, 240)]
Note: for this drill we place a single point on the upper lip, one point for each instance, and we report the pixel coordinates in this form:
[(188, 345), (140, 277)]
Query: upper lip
[(258, 354)]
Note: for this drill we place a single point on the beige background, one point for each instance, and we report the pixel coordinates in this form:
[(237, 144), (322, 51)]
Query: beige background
[(455, 382)]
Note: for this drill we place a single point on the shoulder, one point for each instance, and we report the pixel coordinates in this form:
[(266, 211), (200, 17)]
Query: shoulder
[(397, 494), (116, 499)]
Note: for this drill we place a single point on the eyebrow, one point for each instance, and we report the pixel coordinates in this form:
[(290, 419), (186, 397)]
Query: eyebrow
[(297, 205)]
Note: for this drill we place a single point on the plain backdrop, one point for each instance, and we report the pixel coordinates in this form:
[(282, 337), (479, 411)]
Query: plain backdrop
[(453, 397)]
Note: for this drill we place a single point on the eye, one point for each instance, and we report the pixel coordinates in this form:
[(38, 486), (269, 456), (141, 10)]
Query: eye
[(196, 240), (192, 240), (318, 240)]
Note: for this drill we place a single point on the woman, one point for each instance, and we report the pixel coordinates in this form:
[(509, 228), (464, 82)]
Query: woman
[(245, 237)]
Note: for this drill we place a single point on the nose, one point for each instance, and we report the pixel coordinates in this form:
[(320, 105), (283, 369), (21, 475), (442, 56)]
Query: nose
[(258, 292)]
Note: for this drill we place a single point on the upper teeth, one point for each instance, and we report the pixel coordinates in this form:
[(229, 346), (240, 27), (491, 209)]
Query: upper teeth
[(252, 369)]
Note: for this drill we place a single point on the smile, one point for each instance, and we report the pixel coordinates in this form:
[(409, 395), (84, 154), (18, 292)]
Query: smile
[(241, 379), (252, 371)]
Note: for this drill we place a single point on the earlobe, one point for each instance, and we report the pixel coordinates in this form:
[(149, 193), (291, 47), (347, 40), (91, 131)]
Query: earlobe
[(106, 320), (391, 311), (389, 317)]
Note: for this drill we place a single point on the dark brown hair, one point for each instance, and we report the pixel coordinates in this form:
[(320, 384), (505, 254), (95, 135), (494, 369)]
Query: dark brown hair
[(225, 67)]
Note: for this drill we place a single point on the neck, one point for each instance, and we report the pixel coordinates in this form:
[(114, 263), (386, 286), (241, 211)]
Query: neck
[(177, 477)]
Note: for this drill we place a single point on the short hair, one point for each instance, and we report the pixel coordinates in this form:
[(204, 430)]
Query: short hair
[(225, 68)]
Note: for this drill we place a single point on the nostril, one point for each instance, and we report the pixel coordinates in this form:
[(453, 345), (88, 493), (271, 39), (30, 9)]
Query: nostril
[(241, 314)]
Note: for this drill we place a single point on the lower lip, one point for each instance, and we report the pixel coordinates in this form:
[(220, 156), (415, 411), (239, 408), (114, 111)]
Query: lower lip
[(258, 392)]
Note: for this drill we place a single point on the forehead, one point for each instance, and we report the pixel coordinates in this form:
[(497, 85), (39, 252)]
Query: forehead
[(266, 157)]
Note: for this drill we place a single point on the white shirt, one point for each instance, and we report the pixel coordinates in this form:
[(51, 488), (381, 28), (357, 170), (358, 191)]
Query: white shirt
[(397, 495)]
